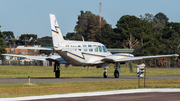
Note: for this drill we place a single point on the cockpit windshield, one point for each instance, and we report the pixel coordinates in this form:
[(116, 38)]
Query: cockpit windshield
[(104, 49), (100, 48)]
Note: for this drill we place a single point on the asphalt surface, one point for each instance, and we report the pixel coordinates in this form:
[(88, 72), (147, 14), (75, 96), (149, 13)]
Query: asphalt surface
[(77, 79), (154, 96), (151, 94)]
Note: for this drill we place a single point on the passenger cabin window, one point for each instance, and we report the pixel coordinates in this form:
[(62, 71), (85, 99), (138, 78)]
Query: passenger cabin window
[(79, 46), (96, 48), (90, 49), (100, 48), (104, 49), (85, 49)]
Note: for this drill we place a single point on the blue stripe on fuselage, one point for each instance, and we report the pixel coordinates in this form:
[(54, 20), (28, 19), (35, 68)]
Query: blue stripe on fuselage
[(84, 54)]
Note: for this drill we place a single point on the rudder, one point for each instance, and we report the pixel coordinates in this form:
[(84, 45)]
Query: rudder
[(56, 32)]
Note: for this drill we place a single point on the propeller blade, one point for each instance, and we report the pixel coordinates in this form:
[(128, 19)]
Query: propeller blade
[(55, 67), (130, 66), (53, 51), (119, 68)]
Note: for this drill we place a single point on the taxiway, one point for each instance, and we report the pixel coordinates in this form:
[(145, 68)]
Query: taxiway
[(77, 79)]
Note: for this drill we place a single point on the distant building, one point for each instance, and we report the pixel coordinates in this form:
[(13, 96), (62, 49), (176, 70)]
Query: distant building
[(22, 51)]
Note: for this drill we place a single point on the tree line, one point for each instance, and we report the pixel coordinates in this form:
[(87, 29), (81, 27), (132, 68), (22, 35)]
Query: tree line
[(146, 34)]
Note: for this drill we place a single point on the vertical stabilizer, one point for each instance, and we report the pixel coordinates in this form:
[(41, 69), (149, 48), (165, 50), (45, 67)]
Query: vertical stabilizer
[(56, 32)]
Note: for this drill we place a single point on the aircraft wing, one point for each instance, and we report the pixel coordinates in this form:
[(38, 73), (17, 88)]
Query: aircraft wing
[(35, 47), (55, 58), (159, 56), (116, 58), (27, 56)]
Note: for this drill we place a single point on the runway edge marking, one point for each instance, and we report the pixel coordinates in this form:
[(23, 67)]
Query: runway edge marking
[(93, 94)]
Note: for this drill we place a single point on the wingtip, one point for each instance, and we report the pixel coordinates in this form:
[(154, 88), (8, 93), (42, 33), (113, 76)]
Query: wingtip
[(176, 55)]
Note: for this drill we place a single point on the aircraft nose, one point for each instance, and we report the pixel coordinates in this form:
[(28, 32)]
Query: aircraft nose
[(131, 55)]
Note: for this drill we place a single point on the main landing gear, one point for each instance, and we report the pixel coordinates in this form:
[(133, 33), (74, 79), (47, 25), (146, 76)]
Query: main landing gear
[(105, 74), (116, 72), (57, 70)]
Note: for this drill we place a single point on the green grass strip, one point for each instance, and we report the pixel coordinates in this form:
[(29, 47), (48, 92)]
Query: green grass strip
[(19, 90), (73, 71)]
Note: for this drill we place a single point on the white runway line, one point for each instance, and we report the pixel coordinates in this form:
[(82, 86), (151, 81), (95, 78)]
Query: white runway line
[(92, 94)]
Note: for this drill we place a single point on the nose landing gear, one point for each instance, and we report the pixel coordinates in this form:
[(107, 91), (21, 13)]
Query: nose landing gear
[(116, 73)]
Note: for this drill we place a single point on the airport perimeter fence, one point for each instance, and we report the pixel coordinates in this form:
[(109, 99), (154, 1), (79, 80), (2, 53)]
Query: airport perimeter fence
[(161, 63), (26, 63)]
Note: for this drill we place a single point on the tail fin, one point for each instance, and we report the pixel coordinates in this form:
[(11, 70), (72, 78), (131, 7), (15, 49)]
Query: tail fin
[(56, 33)]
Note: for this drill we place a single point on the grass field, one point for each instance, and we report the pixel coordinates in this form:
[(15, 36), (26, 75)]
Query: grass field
[(17, 90), (72, 71), (75, 87)]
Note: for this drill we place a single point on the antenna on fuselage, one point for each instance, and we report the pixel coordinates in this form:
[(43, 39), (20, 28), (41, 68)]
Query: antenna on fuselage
[(82, 38)]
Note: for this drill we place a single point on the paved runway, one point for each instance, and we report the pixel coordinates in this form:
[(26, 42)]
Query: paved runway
[(77, 79), (154, 94)]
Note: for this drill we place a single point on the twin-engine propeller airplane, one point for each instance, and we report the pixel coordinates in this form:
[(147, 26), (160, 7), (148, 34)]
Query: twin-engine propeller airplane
[(83, 53)]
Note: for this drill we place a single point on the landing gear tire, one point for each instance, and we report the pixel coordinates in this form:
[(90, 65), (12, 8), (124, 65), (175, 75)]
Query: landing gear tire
[(116, 74), (105, 74), (57, 73), (57, 70)]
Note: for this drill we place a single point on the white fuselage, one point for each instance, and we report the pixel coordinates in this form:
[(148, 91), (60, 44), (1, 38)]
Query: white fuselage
[(83, 52)]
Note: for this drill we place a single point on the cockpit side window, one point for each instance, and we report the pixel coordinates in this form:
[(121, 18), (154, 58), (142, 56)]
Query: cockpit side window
[(79, 46), (90, 49), (104, 49), (85, 49), (100, 48)]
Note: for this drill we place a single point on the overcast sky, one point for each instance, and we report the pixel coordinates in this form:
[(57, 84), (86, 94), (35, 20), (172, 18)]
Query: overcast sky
[(32, 16)]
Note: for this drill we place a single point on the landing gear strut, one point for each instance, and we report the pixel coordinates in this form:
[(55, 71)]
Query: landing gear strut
[(116, 72), (105, 74), (57, 70)]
